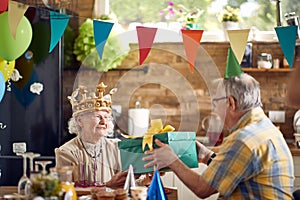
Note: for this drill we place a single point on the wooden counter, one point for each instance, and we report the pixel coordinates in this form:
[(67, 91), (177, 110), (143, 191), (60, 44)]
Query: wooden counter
[(294, 150)]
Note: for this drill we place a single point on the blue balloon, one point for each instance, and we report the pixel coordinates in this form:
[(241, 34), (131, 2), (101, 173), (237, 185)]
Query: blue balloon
[(2, 86)]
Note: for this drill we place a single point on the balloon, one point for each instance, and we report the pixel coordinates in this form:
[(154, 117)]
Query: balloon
[(10, 48), (25, 68), (40, 42), (2, 86), (6, 68)]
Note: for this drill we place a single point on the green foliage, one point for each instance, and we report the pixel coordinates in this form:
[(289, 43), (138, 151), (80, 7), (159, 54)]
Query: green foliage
[(291, 6), (69, 36), (46, 186), (86, 53), (230, 14), (264, 18)]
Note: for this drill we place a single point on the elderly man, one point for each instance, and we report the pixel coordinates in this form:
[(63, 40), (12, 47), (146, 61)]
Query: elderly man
[(254, 161), (95, 158)]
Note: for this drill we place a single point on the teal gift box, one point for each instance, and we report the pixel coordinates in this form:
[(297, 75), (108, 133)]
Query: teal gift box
[(182, 143)]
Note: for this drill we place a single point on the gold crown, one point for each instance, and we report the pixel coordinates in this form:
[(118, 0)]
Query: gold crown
[(82, 102)]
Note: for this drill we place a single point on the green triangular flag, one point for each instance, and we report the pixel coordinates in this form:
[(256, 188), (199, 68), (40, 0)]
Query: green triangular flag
[(233, 67)]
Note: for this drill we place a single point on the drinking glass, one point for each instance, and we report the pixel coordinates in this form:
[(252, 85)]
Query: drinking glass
[(43, 163), (33, 174), (31, 156), (24, 179)]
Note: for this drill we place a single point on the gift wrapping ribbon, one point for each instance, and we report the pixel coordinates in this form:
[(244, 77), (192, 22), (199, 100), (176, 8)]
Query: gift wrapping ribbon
[(156, 127)]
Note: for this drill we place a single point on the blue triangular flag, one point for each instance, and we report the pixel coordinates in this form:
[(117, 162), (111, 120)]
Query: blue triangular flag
[(287, 36), (101, 32), (156, 189), (58, 22)]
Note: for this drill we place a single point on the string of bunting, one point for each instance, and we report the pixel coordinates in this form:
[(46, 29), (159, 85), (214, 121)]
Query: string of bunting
[(16, 35)]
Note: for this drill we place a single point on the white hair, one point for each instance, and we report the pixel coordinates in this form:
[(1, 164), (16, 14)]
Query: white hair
[(245, 89), (74, 127)]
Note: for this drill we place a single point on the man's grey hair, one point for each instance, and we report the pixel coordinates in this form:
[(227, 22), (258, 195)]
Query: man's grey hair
[(245, 90)]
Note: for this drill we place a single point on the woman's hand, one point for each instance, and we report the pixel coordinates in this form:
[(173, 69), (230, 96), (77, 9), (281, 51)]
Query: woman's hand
[(117, 180)]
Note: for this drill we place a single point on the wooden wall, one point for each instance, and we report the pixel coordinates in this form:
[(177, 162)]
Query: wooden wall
[(169, 100)]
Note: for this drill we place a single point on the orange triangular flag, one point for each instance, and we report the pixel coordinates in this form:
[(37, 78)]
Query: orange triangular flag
[(238, 42), (145, 39), (15, 13), (191, 42)]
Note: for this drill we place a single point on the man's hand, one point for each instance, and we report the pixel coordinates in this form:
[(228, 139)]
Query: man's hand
[(203, 153), (161, 157), (117, 180)]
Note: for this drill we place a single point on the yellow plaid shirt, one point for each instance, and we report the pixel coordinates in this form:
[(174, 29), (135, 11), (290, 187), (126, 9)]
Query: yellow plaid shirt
[(254, 161)]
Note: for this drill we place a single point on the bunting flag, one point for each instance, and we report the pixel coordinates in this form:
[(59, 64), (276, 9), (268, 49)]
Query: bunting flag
[(287, 36), (2, 86), (238, 42), (233, 68), (58, 22), (156, 189), (15, 13), (101, 32), (146, 37), (3, 5), (191, 41)]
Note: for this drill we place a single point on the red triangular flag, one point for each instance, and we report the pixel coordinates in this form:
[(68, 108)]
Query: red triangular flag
[(191, 42), (3, 6), (145, 39)]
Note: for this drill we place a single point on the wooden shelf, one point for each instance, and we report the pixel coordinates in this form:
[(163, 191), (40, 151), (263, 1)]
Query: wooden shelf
[(266, 70)]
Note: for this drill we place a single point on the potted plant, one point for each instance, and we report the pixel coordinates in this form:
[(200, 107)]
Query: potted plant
[(188, 18), (230, 17)]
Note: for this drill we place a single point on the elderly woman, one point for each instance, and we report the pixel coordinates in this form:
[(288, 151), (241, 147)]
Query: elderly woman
[(94, 157)]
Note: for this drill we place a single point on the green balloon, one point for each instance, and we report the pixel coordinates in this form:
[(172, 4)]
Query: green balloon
[(10, 48)]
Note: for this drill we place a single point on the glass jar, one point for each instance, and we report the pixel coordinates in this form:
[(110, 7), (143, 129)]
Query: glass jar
[(64, 175), (264, 61)]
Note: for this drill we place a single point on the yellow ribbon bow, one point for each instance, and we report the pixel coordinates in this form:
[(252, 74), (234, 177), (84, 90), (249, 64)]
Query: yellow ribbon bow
[(156, 127)]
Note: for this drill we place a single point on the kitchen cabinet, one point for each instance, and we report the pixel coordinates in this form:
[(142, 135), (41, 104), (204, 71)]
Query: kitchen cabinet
[(171, 180)]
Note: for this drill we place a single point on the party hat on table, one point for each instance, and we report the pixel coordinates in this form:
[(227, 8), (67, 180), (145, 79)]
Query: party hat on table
[(130, 180), (233, 67), (156, 189)]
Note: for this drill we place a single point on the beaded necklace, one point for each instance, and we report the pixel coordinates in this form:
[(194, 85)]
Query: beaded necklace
[(89, 154)]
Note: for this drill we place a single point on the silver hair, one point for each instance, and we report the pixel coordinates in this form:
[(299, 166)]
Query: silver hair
[(245, 89), (74, 128)]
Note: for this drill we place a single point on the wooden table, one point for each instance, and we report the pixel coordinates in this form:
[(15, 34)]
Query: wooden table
[(8, 190), (4, 190)]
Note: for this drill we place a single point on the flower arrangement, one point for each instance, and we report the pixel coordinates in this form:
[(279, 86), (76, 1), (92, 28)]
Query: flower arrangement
[(182, 14), (230, 14)]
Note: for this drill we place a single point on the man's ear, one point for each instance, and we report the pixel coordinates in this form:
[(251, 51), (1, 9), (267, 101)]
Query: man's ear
[(232, 103)]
